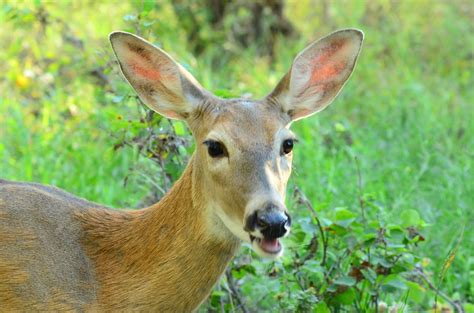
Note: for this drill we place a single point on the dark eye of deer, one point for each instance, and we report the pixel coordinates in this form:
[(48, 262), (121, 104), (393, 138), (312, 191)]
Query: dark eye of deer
[(215, 148), (287, 146)]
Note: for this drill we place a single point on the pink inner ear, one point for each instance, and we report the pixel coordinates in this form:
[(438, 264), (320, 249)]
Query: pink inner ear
[(323, 67), (327, 71), (142, 66), (142, 71)]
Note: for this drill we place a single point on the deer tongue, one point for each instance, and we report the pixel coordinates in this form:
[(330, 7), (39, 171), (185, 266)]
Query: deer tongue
[(270, 245)]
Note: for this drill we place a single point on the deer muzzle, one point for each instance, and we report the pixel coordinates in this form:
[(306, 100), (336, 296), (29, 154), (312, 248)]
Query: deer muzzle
[(266, 226)]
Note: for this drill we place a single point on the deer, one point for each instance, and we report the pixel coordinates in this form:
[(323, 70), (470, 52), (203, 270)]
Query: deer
[(61, 252)]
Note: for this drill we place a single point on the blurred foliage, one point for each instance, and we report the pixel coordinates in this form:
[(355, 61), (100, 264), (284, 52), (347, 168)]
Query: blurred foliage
[(233, 24), (383, 182)]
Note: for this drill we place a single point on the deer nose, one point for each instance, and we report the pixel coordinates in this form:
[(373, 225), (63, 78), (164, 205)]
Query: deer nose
[(273, 222)]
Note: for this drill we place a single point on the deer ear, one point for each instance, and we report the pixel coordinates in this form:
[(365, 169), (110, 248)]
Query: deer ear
[(164, 85), (318, 73)]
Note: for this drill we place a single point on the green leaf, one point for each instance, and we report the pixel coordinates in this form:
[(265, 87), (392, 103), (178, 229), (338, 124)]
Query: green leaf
[(339, 230), (345, 281), (344, 214), (218, 293), (313, 266), (307, 226), (325, 221), (469, 307), (394, 281), (369, 237), (340, 127), (344, 217), (369, 274), (396, 234), (347, 297), (378, 259), (179, 128), (147, 6), (332, 288), (393, 227), (249, 269), (321, 307), (416, 293), (410, 218)]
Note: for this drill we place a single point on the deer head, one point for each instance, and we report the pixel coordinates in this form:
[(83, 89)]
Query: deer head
[(244, 148)]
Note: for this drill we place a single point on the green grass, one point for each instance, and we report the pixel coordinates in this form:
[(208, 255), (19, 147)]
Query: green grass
[(405, 117)]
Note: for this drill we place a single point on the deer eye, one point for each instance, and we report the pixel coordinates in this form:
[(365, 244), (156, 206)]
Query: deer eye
[(287, 146), (215, 148)]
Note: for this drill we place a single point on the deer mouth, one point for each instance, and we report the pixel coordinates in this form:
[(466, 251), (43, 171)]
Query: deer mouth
[(271, 247)]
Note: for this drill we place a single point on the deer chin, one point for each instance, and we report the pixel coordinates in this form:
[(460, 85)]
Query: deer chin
[(271, 248), (233, 226)]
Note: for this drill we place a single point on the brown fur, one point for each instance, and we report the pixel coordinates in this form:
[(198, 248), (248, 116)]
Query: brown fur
[(160, 258), (42, 264)]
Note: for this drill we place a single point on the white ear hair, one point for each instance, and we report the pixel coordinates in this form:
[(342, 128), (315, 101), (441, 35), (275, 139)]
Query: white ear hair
[(318, 73), (164, 85)]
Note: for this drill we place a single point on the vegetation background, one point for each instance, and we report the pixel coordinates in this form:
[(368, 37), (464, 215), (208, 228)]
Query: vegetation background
[(383, 184)]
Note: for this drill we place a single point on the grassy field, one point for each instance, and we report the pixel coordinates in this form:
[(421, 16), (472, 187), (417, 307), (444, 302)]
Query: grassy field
[(404, 120)]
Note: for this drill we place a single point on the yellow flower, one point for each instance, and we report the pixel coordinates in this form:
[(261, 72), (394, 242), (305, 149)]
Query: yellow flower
[(22, 81)]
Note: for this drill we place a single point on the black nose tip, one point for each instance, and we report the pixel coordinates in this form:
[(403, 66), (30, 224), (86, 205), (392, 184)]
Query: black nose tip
[(272, 223)]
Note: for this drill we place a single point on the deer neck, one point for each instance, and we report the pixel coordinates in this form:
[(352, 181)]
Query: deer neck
[(165, 256)]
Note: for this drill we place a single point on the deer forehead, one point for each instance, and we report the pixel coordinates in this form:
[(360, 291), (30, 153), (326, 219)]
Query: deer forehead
[(244, 124)]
